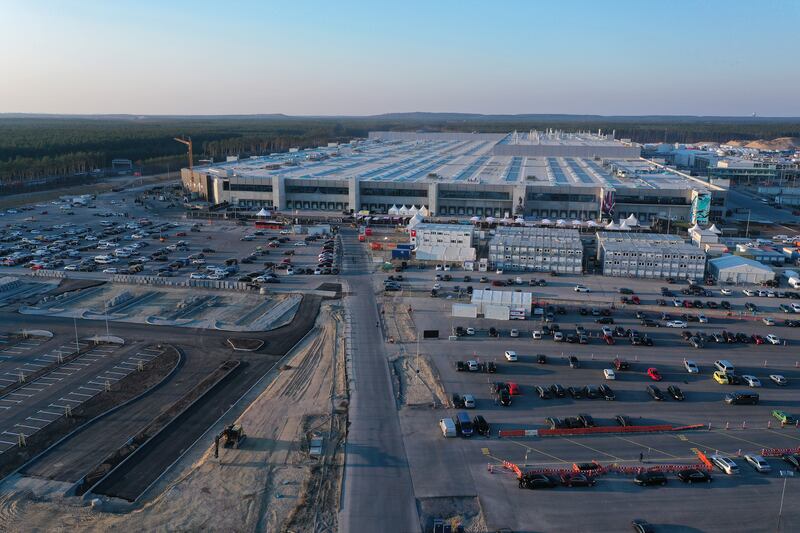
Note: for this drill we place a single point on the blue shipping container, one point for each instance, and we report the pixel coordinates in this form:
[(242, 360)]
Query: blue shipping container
[(407, 246), (401, 254)]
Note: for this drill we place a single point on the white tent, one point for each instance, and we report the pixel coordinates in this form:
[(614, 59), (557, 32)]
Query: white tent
[(561, 222), (416, 219), (612, 226), (490, 219), (404, 210), (393, 210), (696, 227), (591, 224), (546, 221), (519, 220), (715, 229), (474, 219), (631, 221), (624, 226), (263, 213), (577, 223), (424, 211), (413, 210)]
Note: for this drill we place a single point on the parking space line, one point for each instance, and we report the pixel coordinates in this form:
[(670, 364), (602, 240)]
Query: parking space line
[(706, 447), (728, 434), (96, 383), (56, 405), (90, 388), (119, 373), (81, 394), (20, 394), (6, 442), (16, 434), (34, 364), (38, 419), (541, 452), (593, 449), (7, 400), (60, 374), (4, 407), (49, 413), (37, 428), (50, 379), (662, 452), (70, 400)]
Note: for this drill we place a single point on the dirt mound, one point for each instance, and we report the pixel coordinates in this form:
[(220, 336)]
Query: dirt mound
[(781, 143), (457, 511)]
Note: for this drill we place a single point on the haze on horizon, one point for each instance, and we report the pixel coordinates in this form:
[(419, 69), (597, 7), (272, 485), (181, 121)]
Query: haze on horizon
[(715, 57)]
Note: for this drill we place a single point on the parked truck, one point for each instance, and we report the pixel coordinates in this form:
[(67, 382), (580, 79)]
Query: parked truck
[(792, 278)]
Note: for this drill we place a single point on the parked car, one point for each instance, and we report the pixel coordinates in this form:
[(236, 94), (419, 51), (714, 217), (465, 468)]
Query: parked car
[(692, 475), (757, 462), (724, 463), (655, 393), (675, 392), (481, 426), (649, 477), (691, 367), (654, 374)]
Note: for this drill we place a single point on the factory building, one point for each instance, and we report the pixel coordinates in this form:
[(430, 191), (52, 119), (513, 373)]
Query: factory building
[(649, 255), (442, 242), (535, 249), (557, 175)]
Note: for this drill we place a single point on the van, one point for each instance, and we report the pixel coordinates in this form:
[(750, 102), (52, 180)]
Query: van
[(724, 366), (740, 398), (448, 428), (463, 424)]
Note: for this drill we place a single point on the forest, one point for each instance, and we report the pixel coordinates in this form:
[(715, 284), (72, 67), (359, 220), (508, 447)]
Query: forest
[(33, 147)]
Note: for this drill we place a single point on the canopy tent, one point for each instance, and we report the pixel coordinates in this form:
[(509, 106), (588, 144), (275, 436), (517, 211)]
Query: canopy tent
[(624, 226), (631, 221), (424, 211), (474, 219), (404, 210), (696, 227), (413, 221), (612, 226), (715, 229), (546, 221), (413, 210), (394, 210), (490, 219), (263, 213)]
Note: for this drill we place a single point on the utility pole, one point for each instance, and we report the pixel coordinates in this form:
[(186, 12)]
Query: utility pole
[(77, 344), (747, 231), (780, 509), (106, 315)]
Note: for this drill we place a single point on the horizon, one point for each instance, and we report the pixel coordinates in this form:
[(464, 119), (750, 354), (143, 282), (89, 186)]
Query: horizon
[(576, 58)]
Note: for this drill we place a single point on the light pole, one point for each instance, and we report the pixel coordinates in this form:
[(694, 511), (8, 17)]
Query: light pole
[(780, 509), (77, 344), (747, 231)]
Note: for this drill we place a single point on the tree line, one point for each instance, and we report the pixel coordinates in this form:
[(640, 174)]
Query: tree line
[(33, 147)]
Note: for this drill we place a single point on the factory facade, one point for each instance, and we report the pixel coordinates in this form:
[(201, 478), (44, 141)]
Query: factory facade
[(649, 255)]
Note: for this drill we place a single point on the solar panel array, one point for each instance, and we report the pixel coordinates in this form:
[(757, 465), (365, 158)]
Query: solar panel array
[(557, 171), (514, 169)]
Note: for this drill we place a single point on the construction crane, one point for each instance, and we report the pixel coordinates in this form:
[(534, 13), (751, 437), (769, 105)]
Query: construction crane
[(188, 142)]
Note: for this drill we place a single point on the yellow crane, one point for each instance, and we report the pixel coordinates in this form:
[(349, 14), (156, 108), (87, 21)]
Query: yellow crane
[(188, 142)]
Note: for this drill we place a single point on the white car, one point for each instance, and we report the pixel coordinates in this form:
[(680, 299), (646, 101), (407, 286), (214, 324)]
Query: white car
[(725, 464), (470, 331), (703, 319), (768, 321), (472, 365), (758, 463), (726, 292), (772, 339), (110, 271), (198, 261), (499, 271), (676, 324), (677, 303), (437, 286), (778, 379), (558, 336), (581, 288), (469, 401), (691, 367), (749, 292), (607, 331), (301, 243), (438, 268), (447, 268), (317, 272), (609, 374), (751, 381), (537, 335), (197, 275), (511, 355), (515, 333), (71, 267)]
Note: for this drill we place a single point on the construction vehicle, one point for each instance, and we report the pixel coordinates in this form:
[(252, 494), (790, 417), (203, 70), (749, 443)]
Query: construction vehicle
[(232, 437)]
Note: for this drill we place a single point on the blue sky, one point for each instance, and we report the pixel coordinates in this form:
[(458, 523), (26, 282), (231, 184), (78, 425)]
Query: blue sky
[(300, 57)]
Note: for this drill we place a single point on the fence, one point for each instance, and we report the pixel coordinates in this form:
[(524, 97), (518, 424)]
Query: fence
[(154, 281)]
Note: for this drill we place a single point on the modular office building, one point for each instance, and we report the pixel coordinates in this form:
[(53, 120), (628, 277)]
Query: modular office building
[(537, 249), (649, 255), (549, 174)]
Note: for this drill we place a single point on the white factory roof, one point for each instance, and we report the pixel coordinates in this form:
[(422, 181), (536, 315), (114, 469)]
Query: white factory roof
[(513, 299), (735, 261)]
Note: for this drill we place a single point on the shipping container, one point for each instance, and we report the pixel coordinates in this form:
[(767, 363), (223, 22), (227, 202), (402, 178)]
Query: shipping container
[(405, 246), (497, 312), (465, 310), (401, 254), (375, 246)]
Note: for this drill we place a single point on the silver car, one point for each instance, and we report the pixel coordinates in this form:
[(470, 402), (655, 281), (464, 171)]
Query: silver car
[(758, 463)]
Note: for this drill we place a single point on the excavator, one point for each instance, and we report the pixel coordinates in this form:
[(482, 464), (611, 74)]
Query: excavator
[(231, 437)]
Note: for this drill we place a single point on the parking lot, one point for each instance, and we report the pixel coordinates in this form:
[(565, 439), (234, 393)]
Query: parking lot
[(460, 468)]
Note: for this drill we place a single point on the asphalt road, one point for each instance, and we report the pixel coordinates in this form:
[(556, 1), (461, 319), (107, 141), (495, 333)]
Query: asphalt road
[(378, 493), (759, 211)]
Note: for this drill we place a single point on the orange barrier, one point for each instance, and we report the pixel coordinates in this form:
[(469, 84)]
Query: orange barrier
[(705, 459), (604, 429), (514, 468), (777, 452), (511, 433), (686, 428)]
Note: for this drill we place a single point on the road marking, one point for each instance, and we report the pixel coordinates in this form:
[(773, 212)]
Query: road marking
[(16, 434), (485, 451), (593, 449), (38, 419), (35, 364), (20, 394), (118, 373), (90, 388), (4, 407), (96, 383), (647, 446), (6, 442), (7, 400), (127, 363), (49, 413), (37, 428), (51, 379), (728, 434), (69, 400), (56, 405), (82, 394), (707, 447), (541, 452)]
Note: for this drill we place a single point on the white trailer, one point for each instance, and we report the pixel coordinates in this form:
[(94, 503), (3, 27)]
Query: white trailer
[(497, 312), (465, 310)]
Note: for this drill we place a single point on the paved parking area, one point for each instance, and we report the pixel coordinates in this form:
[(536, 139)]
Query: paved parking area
[(13, 348), (460, 467), (40, 402)]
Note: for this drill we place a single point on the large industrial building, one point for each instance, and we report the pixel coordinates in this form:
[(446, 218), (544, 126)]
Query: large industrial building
[(537, 250), (649, 255), (582, 176)]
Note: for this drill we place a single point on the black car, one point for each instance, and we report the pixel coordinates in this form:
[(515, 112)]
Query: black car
[(543, 392), (692, 475), (458, 401), (623, 420), (641, 315), (793, 460), (577, 480), (675, 392), (592, 391), (493, 332), (571, 338), (553, 422), (541, 359), (583, 311), (497, 386), (573, 422), (725, 305), (491, 367), (505, 398), (573, 362), (650, 478), (605, 320), (536, 481), (557, 390), (587, 420), (623, 290), (607, 392), (577, 392), (480, 425), (461, 366), (655, 393), (642, 526)]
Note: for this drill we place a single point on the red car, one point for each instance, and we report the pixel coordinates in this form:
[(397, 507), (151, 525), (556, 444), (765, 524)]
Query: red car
[(513, 389), (687, 303), (758, 339), (654, 374), (636, 300), (609, 339), (498, 283)]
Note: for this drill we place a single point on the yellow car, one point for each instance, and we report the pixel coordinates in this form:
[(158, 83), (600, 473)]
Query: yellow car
[(720, 378)]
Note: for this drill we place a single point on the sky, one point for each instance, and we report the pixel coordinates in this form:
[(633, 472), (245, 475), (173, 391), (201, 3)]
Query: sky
[(343, 57)]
